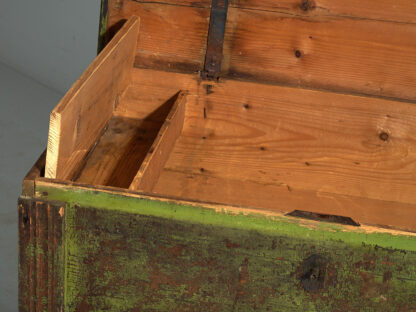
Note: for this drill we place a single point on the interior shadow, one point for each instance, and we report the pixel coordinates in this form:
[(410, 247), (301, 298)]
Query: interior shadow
[(139, 145), (119, 153), (111, 31)]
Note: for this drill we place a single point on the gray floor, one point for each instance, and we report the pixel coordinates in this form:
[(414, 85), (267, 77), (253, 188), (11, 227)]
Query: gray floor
[(50, 40), (24, 115)]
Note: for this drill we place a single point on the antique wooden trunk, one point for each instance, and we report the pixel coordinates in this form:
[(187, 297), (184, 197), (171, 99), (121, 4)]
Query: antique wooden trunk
[(231, 155)]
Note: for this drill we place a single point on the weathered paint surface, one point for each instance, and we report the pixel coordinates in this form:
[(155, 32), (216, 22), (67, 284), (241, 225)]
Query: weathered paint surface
[(41, 262), (102, 26), (199, 215), (132, 254)]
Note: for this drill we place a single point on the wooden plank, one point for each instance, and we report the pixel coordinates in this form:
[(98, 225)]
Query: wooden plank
[(78, 120), (159, 153), (403, 11), (41, 255), (171, 37), (273, 41), (52, 189), (190, 3), (27, 260), (341, 54), (271, 197), (387, 10), (305, 139), (297, 141)]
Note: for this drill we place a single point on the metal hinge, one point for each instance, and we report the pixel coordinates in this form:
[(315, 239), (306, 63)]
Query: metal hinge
[(215, 42)]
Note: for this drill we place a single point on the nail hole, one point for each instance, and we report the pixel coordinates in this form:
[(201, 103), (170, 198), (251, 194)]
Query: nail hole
[(262, 148), (202, 169), (208, 88), (384, 136), (246, 106), (298, 54), (313, 273), (204, 138)]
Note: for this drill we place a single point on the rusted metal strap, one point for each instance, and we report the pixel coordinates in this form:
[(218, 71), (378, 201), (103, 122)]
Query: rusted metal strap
[(213, 56)]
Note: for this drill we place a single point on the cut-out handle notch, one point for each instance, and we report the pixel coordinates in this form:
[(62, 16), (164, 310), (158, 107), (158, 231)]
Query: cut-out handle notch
[(323, 217)]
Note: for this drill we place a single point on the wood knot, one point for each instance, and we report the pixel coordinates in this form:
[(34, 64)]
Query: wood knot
[(307, 5)]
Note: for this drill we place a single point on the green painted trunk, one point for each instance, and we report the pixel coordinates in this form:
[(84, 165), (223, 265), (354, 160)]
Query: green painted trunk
[(125, 253), (86, 248)]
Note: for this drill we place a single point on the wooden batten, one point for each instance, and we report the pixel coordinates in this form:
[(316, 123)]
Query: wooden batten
[(78, 120), (159, 152)]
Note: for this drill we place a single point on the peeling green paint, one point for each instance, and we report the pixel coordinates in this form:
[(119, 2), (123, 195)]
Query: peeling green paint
[(132, 254), (41, 261), (119, 261), (193, 214)]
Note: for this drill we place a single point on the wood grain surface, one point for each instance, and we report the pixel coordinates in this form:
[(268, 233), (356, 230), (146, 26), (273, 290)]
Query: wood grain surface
[(341, 54), (363, 47), (171, 37), (346, 155), (159, 152), (79, 119), (403, 11), (384, 10)]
